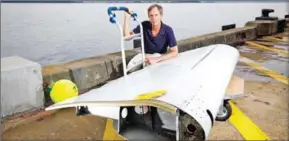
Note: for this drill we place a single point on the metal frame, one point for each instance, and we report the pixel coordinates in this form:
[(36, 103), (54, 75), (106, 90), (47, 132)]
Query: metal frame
[(123, 39)]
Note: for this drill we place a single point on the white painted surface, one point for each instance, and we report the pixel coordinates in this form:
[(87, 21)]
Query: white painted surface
[(107, 112), (195, 81), (21, 85)]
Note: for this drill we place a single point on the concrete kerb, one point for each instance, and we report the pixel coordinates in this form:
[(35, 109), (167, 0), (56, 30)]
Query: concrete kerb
[(115, 68), (224, 37), (54, 73), (87, 73), (264, 27)]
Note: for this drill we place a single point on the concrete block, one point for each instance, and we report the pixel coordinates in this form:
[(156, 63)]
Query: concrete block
[(191, 43), (184, 45), (21, 86), (217, 38), (235, 36), (224, 37), (129, 54), (87, 73), (250, 33), (264, 27), (55, 73), (114, 66), (114, 62), (230, 37), (195, 44), (204, 40)]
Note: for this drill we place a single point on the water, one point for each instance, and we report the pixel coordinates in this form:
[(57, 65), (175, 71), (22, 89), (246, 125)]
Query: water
[(54, 33)]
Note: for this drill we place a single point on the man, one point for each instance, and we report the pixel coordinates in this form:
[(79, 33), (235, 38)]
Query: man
[(157, 38), (157, 35)]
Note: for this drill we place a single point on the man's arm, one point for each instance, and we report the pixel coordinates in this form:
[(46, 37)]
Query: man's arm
[(172, 53), (126, 31), (173, 49), (125, 24)]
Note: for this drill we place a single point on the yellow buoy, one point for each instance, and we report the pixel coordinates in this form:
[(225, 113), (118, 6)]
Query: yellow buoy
[(62, 90)]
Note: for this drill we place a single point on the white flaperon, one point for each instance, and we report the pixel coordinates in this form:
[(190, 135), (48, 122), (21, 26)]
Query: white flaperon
[(195, 81)]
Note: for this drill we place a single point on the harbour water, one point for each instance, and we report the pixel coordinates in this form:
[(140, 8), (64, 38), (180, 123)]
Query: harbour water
[(50, 33)]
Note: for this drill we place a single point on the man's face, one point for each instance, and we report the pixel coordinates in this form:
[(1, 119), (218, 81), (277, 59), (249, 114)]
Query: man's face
[(155, 16)]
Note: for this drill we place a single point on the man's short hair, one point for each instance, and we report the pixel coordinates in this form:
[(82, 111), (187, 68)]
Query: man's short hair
[(159, 7)]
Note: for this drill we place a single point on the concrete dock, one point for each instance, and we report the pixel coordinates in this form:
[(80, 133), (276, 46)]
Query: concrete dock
[(263, 64)]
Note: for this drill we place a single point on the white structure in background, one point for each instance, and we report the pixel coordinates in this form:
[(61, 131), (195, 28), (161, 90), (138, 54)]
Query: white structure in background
[(21, 85)]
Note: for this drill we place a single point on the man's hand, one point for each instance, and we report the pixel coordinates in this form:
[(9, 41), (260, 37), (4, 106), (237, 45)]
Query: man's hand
[(173, 53), (152, 60), (127, 15)]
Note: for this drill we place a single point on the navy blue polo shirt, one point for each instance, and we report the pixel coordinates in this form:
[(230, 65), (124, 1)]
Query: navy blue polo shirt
[(158, 44)]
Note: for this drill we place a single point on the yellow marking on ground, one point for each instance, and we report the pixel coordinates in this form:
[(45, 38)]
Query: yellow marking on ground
[(264, 70), (279, 35), (285, 53), (110, 133), (273, 38), (248, 129)]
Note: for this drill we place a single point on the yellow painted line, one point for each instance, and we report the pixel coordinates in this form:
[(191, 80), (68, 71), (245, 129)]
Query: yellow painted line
[(110, 133), (280, 35), (273, 38), (247, 128), (264, 70), (285, 53)]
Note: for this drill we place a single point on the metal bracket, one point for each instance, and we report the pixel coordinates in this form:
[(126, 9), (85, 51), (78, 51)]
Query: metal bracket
[(128, 117), (82, 110), (187, 128)]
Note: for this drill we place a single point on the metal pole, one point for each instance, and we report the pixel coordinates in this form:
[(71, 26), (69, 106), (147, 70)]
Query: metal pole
[(122, 50), (142, 42)]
